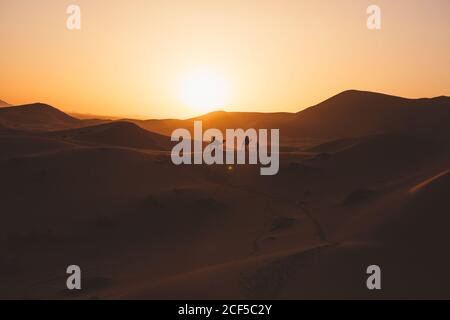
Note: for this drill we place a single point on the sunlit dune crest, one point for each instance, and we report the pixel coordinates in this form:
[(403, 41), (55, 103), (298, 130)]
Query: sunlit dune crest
[(429, 181)]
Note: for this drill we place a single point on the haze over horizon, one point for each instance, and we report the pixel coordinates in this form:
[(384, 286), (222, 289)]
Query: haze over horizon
[(363, 94), (157, 59)]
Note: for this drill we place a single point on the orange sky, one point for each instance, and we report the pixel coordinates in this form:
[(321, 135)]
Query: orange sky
[(132, 57)]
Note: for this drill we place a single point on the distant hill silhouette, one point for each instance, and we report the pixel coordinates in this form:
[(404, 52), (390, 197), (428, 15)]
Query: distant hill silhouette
[(358, 113), (36, 117), (53, 123), (220, 120), (349, 114), (121, 133)]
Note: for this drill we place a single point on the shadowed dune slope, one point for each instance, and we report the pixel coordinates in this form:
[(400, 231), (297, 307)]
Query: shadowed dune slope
[(17, 145), (82, 182), (424, 220), (333, 146), (123, 134), (389, 148), (409, 243), (381, 157)]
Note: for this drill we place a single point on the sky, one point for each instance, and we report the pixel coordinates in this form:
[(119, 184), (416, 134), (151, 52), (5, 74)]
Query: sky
[(182, 58)]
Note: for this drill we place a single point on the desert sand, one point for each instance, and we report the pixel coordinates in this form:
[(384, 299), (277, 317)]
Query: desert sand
[(364, 180)]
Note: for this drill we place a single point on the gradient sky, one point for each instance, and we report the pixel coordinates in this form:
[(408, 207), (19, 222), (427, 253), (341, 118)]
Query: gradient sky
[(274, 55)]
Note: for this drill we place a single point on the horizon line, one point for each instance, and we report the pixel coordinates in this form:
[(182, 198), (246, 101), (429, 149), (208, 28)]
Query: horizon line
[(149, 118)]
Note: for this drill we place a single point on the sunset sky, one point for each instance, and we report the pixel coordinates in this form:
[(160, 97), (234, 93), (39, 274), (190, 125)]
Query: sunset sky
[(157, 58)]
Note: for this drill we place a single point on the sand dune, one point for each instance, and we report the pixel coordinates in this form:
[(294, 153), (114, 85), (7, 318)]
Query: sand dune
[(351, 192), (4, 104), (334, 146), (428, 182), (357, 113), (121, 133), (15, 145), (36, 117), (350, 114), (425, 212), (387, 151), (219, 120), (406, 244)]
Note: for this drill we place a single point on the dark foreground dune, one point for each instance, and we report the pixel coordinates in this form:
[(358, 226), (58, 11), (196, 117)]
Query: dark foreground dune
[(106, 197)]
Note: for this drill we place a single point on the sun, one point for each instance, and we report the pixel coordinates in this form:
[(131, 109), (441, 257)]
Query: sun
[(204, 91)]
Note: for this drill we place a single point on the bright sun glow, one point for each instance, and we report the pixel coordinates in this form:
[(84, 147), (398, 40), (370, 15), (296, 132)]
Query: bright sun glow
[(204, 92)]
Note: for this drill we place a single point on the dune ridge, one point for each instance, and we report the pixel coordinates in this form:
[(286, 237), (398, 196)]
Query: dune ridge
[(4, 104), (349, 114), (363, 179), (118, 133)]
